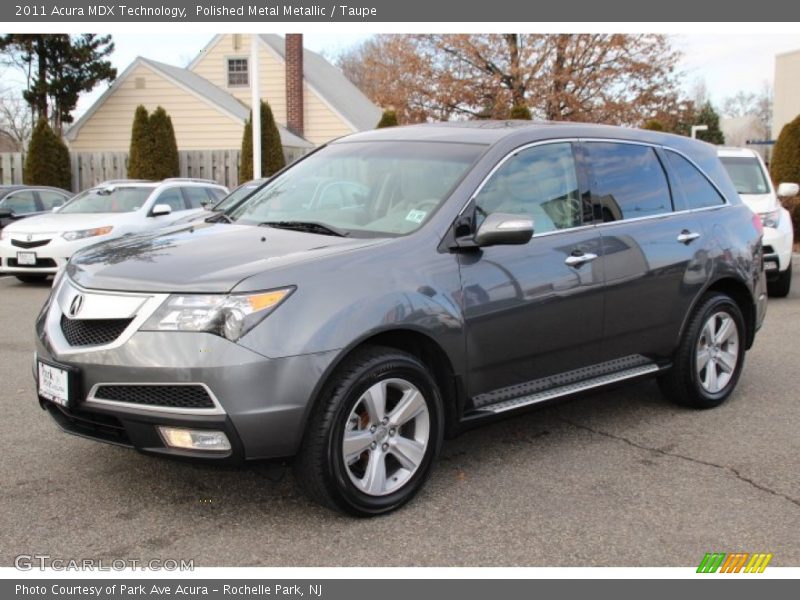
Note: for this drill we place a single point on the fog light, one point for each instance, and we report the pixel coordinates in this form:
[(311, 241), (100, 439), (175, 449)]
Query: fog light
[(195, 439)]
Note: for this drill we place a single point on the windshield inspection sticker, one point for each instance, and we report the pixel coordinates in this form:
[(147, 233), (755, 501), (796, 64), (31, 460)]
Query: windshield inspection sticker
[(416, 216)]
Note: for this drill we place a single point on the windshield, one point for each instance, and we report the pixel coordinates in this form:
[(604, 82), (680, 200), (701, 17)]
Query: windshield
[(364, 189), (746, 174), (238, 194), (108, 200)]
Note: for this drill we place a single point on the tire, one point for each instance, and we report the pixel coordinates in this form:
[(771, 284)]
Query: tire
[(345, 408), (780, 286), (689, 385), (31, 278)]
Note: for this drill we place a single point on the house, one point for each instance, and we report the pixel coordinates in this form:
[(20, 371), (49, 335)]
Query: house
[(786, 103), (209, 101)]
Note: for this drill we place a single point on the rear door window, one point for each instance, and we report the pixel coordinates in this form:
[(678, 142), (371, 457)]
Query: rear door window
[(197, 196), (50, 200), (697, 190), (628, 181)]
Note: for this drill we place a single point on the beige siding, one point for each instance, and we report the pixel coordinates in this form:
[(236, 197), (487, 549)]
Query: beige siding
[(321, 123), (198, 125), (787, 90)]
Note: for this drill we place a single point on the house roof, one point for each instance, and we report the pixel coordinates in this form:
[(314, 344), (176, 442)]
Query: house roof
[(194, 84), (332, 86)]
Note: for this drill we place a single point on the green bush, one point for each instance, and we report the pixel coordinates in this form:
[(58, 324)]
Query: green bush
[(785, 167), (272, 159), (47, 162), (164, 160), (388, 119), (520, 111), (654, 125), (140, 145)]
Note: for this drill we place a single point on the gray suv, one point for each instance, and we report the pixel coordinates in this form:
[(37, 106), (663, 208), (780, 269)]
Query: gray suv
[(397, 286)]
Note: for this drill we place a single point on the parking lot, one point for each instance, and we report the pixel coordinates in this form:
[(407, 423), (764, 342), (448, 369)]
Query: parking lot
[(620, 478)]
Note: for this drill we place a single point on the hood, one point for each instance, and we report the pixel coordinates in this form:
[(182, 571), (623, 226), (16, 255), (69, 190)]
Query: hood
[(205, 257), (760, 203), (58, 223)]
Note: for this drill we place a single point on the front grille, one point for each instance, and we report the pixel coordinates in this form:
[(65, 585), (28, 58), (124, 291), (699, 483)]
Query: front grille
[(96, 426), (170, 396), (41, 263), (769, 250), (92, 332), (34, 244)]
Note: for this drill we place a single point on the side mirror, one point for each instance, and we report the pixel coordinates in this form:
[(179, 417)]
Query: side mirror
[(160, 210), (788, 190), (500, 229), (5, 213)]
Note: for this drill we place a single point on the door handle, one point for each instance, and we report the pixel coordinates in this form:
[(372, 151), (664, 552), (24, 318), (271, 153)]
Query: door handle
[(687, 237), (576, 260)]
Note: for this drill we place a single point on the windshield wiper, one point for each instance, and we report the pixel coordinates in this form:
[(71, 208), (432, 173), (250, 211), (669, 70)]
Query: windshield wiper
[(220, 216), (307, 226)]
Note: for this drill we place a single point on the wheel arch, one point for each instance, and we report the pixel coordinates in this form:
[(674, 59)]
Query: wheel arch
[(739, 293)]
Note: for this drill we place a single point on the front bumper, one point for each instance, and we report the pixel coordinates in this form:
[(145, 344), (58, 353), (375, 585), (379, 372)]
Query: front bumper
[(261, 403), (50, 257), (778, 242)]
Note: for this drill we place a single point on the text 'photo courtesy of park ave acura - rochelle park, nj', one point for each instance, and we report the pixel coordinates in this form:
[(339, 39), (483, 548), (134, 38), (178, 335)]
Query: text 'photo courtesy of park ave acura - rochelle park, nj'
[(344, 298)]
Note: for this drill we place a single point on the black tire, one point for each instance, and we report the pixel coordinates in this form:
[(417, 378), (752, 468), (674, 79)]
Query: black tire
[(780, 286), (320, 467), (31, 278), (682, 383)]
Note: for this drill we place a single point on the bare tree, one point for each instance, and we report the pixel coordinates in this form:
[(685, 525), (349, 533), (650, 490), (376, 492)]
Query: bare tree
[(589, 77), (15, 118)]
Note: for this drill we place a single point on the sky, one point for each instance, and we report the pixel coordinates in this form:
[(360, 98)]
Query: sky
[(727, 63)]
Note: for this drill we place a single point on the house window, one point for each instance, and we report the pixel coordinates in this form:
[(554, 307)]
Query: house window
[(237, 72)]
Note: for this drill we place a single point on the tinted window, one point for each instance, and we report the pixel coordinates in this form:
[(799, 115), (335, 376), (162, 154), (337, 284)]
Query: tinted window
[(20, 203), (196, 196), (539, 182), (697, 190), (746, 174), (629, 181), (172, 197), (51, 199)]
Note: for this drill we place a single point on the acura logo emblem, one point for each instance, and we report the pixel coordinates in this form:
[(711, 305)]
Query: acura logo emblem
[(76, 305), (29, 237)]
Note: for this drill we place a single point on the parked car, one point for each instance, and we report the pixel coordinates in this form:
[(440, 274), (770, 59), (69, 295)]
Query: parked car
[(461, 272), (39, 246), (20, 201), (752, 181), (219, 208)]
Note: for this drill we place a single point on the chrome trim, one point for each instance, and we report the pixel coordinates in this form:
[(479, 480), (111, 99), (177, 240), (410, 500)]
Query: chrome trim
[(91, 399), (571, 140), (566, 390), (67, 289)]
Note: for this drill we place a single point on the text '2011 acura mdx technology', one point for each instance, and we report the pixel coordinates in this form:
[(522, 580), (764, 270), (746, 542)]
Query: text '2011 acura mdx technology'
[(396, 286)]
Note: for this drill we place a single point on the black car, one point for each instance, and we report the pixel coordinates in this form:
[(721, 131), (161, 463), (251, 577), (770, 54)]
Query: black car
[(20, 201), (397, 286)]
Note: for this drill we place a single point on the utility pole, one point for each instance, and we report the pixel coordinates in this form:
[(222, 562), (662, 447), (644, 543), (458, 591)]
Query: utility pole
[(696, 128)]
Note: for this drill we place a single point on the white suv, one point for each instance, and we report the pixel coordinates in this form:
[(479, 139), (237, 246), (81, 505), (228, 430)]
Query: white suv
[(750, 176), (39, 246)]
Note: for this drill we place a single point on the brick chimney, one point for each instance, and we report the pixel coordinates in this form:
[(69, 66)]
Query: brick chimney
[(294, 83)]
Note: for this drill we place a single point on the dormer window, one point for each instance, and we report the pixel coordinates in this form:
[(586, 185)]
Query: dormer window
[(237, 72)]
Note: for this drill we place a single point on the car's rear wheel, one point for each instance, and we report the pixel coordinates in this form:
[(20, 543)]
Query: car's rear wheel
[(710, 357), (31, 278), (374, 435), (780, 286)]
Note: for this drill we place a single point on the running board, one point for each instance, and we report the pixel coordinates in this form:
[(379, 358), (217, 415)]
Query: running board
[(566, 390)]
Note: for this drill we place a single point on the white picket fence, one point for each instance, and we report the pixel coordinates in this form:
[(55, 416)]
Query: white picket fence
[(90, 168)]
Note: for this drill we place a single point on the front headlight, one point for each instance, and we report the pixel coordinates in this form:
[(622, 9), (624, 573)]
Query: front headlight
[(71, 236), (229, 316), (771, 218)]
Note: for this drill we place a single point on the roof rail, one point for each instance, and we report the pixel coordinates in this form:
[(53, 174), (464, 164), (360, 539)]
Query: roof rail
[(192, 179), (118, 181)]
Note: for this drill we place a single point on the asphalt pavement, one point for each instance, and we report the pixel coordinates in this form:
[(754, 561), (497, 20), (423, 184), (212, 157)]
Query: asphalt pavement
[(619, 478)]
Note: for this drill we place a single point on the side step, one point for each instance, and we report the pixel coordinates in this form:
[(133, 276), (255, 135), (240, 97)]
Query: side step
[(566, 390)]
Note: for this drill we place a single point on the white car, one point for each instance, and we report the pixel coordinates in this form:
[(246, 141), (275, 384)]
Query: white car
[(36, 247), (751, 178)]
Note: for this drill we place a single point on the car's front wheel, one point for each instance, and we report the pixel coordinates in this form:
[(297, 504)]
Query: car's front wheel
[(710, 357), (780, 286), (374, 435)]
